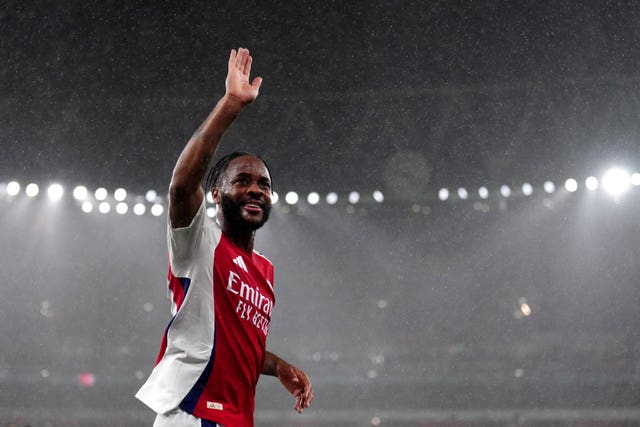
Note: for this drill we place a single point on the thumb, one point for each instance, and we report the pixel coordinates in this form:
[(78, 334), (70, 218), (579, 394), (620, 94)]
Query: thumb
[(256, 82)]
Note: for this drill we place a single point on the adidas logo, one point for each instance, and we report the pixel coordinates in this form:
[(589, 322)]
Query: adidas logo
[(240, 263)]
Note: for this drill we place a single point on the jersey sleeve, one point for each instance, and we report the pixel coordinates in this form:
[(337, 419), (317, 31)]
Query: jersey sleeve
[(183, 242)]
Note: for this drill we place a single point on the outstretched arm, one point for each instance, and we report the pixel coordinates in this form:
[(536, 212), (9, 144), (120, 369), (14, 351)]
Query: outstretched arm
[(185, 192), (292, 378)]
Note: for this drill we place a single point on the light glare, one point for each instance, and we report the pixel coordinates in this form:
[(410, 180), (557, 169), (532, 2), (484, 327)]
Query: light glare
[(13, 188), (332, 198), (443, 194), (150, 196), (122, 208), (571, 185), (313, 198), (354, 197), (157, 209), (55, 192), (101, 193), (378, 196), (462, 193), (549, 187), (635, 179), (591, 183), (104, 207), (483, 192), (87, 206), (139, 209), (291, 197), (32, 190), (505, 191), (615, 181), (527, 189), (80, 192), (120, 194)]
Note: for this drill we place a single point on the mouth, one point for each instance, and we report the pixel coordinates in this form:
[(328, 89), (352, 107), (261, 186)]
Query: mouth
[(253, 207)]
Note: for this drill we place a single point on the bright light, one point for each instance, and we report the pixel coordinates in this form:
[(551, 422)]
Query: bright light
[(505, 191), (354, 197), (527, 189), (591, 183), (101, 193), (549, 187), (150, 196), (104, 207), (210, 197), (122, 208), (443, 194), (571, 185), (462, 193), (13, 188), (80, 192), (274, 197), (635, 179), (615, 181), (157, 209), (291, 197), (120, 194), (139, 209), (378, 196), (332, 198), (32, 190), (87, 206), (55, 192), (483, 192), (211, 211), (313, 198)]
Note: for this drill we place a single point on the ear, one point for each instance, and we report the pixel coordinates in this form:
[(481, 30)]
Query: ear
[(216, 195)]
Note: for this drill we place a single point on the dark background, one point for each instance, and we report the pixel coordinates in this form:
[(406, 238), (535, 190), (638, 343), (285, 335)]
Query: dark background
[(408, 310)]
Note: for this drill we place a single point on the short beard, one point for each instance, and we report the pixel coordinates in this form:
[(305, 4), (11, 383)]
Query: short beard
[(232, 216)]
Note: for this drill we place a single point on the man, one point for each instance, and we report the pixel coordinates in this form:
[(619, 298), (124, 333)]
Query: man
[(214, 348)]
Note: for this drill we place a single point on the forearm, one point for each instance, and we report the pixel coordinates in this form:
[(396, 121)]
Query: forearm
[(193, 163), (270, 366)]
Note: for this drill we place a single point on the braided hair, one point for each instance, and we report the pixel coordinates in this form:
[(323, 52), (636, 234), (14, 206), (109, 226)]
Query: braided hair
[(221, 166)]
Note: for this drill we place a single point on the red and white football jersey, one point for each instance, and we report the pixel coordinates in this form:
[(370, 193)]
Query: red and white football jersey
[(213, 349)]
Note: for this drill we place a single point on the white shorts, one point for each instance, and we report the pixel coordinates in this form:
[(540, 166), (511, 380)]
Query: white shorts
[(179, 418)]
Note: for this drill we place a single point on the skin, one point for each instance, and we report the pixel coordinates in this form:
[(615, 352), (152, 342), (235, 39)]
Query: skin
[(246, 181)]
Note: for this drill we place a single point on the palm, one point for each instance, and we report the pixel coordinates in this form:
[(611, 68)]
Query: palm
[(237, 83)]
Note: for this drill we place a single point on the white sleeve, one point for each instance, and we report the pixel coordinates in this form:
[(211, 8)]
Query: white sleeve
[(183, 242)]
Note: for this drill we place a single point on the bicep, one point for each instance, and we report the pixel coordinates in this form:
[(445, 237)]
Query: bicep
[(183, 205)]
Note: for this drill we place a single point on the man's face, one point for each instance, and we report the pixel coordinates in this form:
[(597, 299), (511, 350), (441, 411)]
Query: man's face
[(244, 194)]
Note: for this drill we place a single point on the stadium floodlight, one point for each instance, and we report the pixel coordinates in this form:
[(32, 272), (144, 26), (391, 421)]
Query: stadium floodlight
[(332, 198), (80, 192), (274, 197), (139, 209), (32, 190), (122, 208), (462, 193), (378, 196), (527, 189), (354, 197), (211, 211), (55, 192), (87, 206), (291, 197), (549, 187), (120, 194), (13, 188), (505, 191), (104, 207), (157, 209), (616, 181), (571, 185), (635, 179), (443, 194), (313, 198), (591, 183), (101, 194), (483, 192), (150, 196), (210, 197)]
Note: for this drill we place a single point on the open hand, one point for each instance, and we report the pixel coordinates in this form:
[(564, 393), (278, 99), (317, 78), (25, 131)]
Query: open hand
[(237, 82)]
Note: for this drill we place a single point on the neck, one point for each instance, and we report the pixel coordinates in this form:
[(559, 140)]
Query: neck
[(241, 238)]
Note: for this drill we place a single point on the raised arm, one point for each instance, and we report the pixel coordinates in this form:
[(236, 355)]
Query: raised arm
[(292, 378), (185, 191)]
